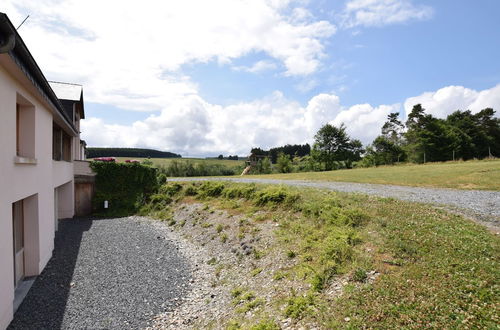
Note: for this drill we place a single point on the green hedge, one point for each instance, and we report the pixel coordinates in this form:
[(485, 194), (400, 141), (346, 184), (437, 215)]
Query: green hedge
[(124, 185)]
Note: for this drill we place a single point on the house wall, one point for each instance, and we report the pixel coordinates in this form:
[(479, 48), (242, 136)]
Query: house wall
[(77, 155), (33, 183)]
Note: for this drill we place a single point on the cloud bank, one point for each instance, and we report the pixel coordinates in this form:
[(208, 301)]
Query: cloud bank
[(196, 127), (130, 54)]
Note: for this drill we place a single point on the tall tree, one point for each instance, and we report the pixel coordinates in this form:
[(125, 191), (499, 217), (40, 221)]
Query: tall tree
[(489, 139), (415, 117), (333, 144), (283, 163), (386, 152), (393, 128)]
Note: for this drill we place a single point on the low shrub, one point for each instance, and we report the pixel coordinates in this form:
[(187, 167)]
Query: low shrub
[(191, 190), (298, 306), (162, 178), (359, 275), (274, 196), (265, 325), (246, 192), (160, 198), (210, 189), (170, 189)]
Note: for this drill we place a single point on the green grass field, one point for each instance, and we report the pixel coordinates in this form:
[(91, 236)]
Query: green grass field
[(166, 161), (481, 175)]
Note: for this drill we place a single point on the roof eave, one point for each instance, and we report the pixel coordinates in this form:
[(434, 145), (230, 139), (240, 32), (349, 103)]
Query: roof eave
[(25, 61)]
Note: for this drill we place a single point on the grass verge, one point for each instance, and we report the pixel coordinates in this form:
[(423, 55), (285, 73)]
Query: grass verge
[(356, 261), (480, 175)]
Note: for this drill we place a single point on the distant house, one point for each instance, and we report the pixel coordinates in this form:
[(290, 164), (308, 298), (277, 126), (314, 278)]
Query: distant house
[(39, 141)]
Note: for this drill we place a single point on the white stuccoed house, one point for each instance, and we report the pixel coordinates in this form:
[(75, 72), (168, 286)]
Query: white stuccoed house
[(39, 146)]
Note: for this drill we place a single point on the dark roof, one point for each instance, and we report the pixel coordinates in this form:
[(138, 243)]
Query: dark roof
[(25, 61)]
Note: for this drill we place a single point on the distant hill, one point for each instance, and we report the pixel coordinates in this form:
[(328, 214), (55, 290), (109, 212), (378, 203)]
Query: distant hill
[(129, 152)]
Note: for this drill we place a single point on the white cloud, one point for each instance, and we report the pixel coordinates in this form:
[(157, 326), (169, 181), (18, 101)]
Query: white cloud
[(451, 98), (364, 121), (306, 85), (320, 110), (196, 127), (383, 12), (130, 54), (257, 67)]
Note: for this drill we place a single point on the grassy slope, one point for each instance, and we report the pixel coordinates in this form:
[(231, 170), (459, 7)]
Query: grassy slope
[(436, 270), (482, 175), (166, 161)]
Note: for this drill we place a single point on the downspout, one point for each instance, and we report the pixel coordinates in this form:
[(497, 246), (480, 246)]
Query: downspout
[(11, 40)]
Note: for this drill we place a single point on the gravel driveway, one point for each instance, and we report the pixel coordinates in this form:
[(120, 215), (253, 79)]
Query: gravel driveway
[(105, 274), (484, 206)]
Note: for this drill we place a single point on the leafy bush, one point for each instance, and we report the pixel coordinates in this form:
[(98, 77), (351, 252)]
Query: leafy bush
[(162, 178), (283, 163)]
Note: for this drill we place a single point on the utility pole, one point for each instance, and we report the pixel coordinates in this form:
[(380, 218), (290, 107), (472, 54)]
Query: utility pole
[(489, 152), (453, 155), (424, 157)]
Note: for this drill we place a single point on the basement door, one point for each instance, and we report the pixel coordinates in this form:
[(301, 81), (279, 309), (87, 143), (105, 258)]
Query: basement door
[(18, 235)]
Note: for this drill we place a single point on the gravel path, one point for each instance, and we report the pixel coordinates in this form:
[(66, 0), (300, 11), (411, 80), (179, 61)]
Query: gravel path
[(106, 274), (484, 206)]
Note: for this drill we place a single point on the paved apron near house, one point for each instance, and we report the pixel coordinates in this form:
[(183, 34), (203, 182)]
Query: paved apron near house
[(483, 206), (105, 274)]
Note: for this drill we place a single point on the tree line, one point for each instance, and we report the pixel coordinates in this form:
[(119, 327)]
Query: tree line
[(129, 152), (422, 138), (291, 150), (425, 138), (230, 157)]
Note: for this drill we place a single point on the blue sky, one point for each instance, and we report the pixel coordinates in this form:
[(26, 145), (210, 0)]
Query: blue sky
[(381, 65), (232, 74)]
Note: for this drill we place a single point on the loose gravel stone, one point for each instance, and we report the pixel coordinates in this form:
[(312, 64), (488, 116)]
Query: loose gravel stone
[(483, 206), (106, 274)]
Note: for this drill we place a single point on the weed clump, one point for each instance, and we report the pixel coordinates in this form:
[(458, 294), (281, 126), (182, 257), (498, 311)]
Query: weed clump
[(265, 325), (359, 275), (275, 196), (191, 190), (210, 189), (170, 189), (298, 306), (246, 192), (160, 198)]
